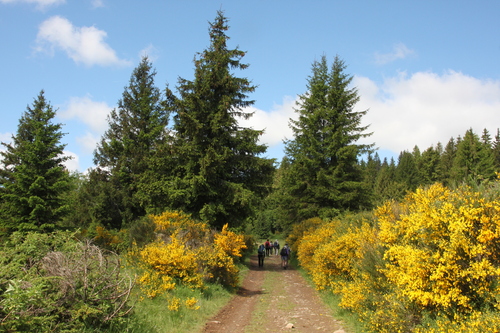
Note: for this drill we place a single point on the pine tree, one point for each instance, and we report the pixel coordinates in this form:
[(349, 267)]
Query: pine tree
[(446, 163), (496, 150), (136, 134), (371, 168), (429, 166), (474, 159), (407, 171), (33, 178), (324, 174), (219, 176), (386, 187)]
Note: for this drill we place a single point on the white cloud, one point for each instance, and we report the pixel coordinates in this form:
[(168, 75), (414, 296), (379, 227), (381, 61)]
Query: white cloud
[(71, 164), (151, 52), (94, 114), (82, 44), (97, 3), (426, 108), (90, 113), (400, 51), (5, 137), (41, 4), (88, 142), (273, 122), (420, 109)]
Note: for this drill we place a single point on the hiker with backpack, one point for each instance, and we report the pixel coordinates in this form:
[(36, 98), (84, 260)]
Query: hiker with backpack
[(268, 247), (285, 255), (261, 253), (276, 247)]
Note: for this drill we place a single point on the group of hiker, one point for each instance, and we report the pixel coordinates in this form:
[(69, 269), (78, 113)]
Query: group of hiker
[(268, 248)]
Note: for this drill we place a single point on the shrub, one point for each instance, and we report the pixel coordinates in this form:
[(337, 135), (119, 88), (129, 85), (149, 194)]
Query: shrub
[(300, 230), (187, 253), (427, 264), (443, 248), (54, 282)]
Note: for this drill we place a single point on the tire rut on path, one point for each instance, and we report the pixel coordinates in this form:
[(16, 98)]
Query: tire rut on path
[(273, 299)]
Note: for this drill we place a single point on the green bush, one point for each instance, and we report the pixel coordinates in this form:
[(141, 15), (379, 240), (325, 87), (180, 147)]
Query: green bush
[(53, 282)]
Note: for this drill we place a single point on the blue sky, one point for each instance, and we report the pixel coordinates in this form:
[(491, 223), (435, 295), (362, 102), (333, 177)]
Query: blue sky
[(426, 70)]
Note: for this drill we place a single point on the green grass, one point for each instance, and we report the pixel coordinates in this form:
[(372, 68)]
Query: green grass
[(152, 315)]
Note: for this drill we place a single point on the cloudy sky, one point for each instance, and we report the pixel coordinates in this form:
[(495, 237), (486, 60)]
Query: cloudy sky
[(426, 70)]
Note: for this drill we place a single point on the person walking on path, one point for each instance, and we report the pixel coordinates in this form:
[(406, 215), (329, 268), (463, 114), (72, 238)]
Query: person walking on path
[(261, 253), (268, 247), (285, 255), (276, 247)]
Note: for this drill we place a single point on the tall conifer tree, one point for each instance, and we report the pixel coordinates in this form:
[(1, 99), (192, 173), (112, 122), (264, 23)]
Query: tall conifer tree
[(32, 175), (407, 172), (324, 174), (474, 159), (220, 176), (137, 131), (446, 162), (429, 165), (495, 146)]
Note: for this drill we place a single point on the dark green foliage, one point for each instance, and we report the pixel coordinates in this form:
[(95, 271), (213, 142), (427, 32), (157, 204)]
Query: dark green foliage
[(474, 159), (429, 165), (495, 146), (219, 176), (93, 202), (470, 159), (386, 187), (324, 177), (446, 162), (372, 167), (407, 172), (32, 176), (136, 135)]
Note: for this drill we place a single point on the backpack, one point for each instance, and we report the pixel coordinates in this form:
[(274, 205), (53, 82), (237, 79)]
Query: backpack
[(261, 249), (284, 251)]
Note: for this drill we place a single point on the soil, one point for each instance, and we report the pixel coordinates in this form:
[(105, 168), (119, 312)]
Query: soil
[(276, 300)]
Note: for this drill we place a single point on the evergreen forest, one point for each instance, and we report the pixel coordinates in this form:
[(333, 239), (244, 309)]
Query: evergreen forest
[(180, 192)]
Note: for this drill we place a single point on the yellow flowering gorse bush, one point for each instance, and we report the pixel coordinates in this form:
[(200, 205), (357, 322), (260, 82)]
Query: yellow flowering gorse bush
[(430, 263), (186, 252), (443, 250), (231, 243), (174, 260)]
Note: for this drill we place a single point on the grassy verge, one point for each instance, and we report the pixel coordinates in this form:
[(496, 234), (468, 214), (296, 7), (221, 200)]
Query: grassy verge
[(153, 315)]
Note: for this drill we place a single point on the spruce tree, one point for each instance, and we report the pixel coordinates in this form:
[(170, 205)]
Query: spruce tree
[(446, 163), (429, 166), (495, 146), (386, 187), (219, 176), (33, 178), (407, 172), (324, 176), (371, 168), (474, 159), (136, 134)]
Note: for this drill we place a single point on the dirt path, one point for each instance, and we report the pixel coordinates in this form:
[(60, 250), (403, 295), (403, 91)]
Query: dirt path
[(275, 300)]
